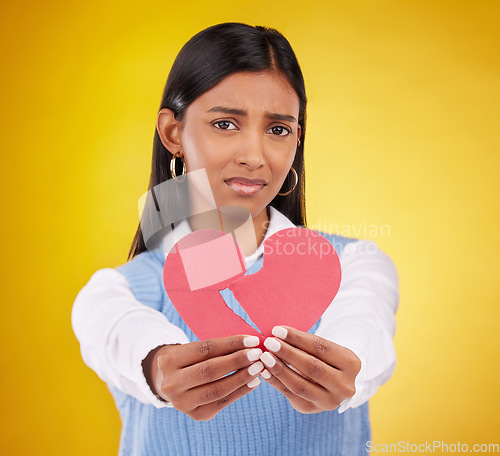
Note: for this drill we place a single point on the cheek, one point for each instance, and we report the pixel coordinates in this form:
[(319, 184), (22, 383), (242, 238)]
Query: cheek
[(282, 165), (196, 152), (204, 155), (202, 150)]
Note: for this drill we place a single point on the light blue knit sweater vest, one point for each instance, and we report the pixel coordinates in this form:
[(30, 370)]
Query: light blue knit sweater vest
[(261, 423)]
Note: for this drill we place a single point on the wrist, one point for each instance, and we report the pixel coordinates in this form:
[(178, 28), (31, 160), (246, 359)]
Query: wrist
[(151, 370)]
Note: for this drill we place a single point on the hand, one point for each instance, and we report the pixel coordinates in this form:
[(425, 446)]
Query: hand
[(313, 373), (194, 377)]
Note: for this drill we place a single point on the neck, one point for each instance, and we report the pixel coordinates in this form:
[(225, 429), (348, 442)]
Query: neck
[(250, 231), (260, 225)]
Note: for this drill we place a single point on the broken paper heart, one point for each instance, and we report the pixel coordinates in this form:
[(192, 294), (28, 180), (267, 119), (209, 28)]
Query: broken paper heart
[(298, 280)]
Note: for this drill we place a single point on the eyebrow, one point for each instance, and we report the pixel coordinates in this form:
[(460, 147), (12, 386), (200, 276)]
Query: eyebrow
[(240, 112)]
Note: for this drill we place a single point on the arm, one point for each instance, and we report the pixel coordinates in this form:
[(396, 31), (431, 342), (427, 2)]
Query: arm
[(116, 332), (352, 352), (362, 316), (135, 348)]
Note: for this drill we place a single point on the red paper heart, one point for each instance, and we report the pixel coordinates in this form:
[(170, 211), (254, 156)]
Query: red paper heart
[(298, 280)]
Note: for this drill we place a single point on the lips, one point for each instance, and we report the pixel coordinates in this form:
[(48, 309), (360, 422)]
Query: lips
[(246, 186)]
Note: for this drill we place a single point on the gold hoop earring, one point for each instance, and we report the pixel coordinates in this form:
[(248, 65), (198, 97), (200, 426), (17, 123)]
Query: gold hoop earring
[(298, 142), (294, 185), (172, 168)]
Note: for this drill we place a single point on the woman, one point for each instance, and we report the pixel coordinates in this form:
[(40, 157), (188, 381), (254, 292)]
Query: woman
[(234, 106)]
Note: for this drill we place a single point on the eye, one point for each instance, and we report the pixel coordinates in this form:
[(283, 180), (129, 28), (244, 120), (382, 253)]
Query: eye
[(224, 125), (279, 130)]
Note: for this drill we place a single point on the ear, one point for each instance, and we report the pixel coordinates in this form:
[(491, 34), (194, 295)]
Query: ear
[(169, 130), (299, 131)]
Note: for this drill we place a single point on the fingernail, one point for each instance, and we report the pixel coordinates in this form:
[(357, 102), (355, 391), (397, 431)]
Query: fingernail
[(254, 382), (268, 359), (279, 331), (254, 354), (272, 344), (254, 369), (265, 374), (251, 341)]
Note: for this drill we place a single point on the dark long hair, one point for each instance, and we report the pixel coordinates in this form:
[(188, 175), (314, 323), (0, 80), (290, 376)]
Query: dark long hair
[(206, 59)]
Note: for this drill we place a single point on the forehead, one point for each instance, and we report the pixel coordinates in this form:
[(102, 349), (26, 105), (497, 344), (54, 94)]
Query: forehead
[(266, 91)]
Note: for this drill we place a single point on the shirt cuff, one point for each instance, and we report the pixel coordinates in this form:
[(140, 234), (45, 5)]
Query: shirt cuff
[(360, 396), (366, 383), (142, 350)]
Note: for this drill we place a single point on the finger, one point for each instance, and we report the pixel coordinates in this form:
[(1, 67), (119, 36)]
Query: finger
[(194, 352), (299, 403), (308, 366), (273, 381), (208, 411), (294, 382), (331, 353), (219, 389), (215, 368)]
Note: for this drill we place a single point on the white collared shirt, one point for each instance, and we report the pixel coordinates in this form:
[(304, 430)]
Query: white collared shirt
[(116, 331)]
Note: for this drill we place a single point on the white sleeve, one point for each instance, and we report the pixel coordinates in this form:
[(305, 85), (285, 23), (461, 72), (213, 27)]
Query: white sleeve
[(362, 316), (116, 332)]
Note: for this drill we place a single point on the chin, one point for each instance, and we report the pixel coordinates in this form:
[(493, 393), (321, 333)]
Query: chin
[(250, 207)]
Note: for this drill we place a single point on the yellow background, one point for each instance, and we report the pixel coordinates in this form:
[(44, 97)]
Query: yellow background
[(402, 132)]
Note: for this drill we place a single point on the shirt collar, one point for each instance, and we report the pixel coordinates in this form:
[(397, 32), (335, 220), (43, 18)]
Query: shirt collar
[(277, 222)]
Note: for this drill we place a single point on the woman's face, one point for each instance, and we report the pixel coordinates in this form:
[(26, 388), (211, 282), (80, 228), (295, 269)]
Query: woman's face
[(244, 132)]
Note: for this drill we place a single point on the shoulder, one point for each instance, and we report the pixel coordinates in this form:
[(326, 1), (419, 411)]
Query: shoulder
[(279, 221), (363, 256), (338, 242), (144, 275), (145, 268), (144, 263)]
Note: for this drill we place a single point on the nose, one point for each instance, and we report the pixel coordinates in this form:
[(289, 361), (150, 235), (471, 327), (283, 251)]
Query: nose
[(251, 151)]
